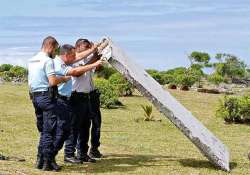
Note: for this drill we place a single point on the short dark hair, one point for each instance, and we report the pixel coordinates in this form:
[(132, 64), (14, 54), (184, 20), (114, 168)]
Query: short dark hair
[(49, 41), (66, 49), (82, 41)]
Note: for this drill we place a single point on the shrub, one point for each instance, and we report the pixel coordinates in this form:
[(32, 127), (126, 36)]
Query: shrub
[(215, 78), (13, 73), (105, 72), (235, 109), (5, 67), (6, 76), (123, 87), (148, 109), (229, 109), (109, 95), (186, 79), (244, 104), (168, 78), (156, 75)]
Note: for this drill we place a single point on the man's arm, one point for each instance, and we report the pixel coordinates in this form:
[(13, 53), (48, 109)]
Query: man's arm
[(93, 58), (96, 55), (54, 80), (86, 53), (78, 71), (50, 72)]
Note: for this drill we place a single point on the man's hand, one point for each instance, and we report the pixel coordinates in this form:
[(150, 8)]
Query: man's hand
[(66, 78), (99, 62), (102, 45), (94, 46)]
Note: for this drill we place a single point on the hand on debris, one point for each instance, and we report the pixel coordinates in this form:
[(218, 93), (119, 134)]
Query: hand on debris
[(99, 62)]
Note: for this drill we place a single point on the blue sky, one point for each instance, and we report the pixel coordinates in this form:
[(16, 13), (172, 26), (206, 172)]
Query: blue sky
[(157, 34)]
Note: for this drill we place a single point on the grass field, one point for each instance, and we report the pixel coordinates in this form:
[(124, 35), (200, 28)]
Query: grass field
[(130, 145)]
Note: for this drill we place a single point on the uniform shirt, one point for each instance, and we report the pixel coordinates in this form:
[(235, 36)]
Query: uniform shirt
[(83, 83), (61, 69), (40, 67)]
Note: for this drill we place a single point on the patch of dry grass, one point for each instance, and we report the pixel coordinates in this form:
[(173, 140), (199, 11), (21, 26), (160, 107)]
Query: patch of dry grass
[(130, 145)]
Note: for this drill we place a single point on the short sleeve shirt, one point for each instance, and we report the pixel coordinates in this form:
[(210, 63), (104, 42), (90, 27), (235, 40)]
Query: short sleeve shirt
[(83, 83), (61, 69), (40, 67)]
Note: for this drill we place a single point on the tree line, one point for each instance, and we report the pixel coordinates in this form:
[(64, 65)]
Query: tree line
[(112, 84), (226, 68)]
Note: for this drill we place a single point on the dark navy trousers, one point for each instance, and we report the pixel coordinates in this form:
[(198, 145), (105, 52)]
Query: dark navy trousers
[(63, 123), (96, 119), (53, 123), (86, 113), (46, 114)]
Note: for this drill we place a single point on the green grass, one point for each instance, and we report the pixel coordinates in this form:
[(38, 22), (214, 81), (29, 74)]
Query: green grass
[(130, 145)]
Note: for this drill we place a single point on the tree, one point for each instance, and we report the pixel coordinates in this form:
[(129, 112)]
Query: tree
[(196, 70), (215, 78), (230, 66), (201, 58)]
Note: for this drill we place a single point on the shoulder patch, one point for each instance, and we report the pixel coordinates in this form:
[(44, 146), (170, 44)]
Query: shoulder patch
[(34, 61)]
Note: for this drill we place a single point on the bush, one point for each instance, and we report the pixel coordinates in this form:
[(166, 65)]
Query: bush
[(235, 109), (5, 67), (123, 87), (186, 79), (18, 71), (215, 78), (6, 76), (244, 104), (109, 95), (13, 73), (156, 75), (168, 78), (105, 72)]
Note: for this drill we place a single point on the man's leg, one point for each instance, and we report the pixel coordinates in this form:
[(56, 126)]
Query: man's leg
[(39, 124), (71, 139), (49, 108), (96, 126), (70, 143), (83, 137)]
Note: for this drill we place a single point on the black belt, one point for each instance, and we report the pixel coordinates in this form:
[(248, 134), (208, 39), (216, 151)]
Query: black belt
[(81, 95), (63, 97), (86, 94), (42, 93)]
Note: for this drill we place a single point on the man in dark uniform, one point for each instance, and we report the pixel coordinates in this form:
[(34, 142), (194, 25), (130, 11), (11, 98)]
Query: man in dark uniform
[(62, 68), (86, 105), (41, 79)]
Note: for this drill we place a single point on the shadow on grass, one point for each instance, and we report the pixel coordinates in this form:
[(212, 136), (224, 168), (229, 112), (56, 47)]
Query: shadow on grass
[(119, 163), (130, 162), (202, 164)]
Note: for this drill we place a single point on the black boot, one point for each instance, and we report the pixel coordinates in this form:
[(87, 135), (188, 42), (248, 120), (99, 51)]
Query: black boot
[(55, 166), (47, 165), (39, 161), (85, 158), (72, 160), (95, 153)]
